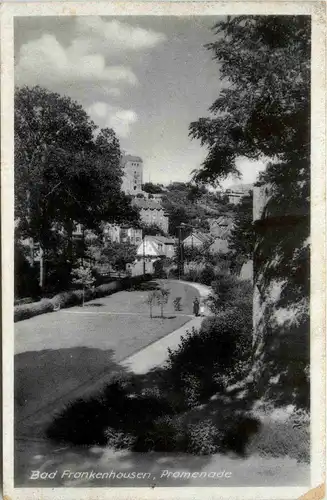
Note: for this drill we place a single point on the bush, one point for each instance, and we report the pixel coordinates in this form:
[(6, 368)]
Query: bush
[(207, 275), (192, 275), (203, 438), (26, 300), (82, 422), (229, 292), (74, 297), (26, 277), (26, 311), (177, 304), (204, 357), (118, 440), (115, 414)]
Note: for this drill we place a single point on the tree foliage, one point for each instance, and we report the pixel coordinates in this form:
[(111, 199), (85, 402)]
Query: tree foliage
[(151, 188), (264, 106), (263, 110), (66, 171), (242, 235), (118, 254), (82, 276), (151, 229)]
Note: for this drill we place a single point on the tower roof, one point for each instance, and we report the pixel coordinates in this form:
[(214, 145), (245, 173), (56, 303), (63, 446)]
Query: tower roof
[(127, 158)]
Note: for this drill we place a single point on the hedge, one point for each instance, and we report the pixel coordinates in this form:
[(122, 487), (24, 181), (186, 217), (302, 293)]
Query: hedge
[(75, 297)]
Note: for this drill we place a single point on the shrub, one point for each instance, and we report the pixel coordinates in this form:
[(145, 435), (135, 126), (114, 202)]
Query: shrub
[(203, 438), (192, 275), (25, 300), (229, 291), (177, 304), (205, 356), (118, 439), (114, 414), (26, 311), (26, 277), (237, 433), (167, 434), (82, 422), (207, 275), (74, 297)]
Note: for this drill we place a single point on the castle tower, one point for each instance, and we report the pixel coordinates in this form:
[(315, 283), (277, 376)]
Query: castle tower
[(133, 174)]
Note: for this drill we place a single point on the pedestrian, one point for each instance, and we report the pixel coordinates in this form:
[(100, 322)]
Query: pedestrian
[(202, 309), (196, 307)]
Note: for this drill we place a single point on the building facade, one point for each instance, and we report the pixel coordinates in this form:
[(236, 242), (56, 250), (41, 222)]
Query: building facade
[(151, 212), (237, 192), (196, 239), (156, 246), (122, 234), (133, 174)]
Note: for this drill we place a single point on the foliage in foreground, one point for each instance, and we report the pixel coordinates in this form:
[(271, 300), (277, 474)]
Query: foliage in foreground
[(185, 406)]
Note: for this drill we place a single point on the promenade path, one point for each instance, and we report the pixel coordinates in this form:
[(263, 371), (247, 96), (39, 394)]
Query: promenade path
[(118, 468), (74, 352), (156, 353)]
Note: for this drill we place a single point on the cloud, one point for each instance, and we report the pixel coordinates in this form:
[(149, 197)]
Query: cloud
[(45, 61), (94, 33), (114, 92), (114, 117)]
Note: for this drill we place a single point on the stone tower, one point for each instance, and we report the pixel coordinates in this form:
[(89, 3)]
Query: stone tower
[(133, 174)]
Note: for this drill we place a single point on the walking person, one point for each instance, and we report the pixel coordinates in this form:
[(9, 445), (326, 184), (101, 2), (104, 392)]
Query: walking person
[(202, 308), (196, 306)]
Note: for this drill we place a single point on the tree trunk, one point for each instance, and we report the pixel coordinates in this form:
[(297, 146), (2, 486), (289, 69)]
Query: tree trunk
[(69, 230)]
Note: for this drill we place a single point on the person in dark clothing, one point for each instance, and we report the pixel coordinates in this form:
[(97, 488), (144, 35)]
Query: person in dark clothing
[(196, 307)]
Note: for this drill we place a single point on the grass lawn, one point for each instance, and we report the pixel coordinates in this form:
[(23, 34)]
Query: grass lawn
[(59, 353)]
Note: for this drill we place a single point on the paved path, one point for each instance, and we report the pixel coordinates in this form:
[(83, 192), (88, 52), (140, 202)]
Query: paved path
[(156, 353), (64, 369)]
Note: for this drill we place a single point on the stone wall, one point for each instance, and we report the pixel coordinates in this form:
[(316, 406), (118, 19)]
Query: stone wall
[(281, 298)]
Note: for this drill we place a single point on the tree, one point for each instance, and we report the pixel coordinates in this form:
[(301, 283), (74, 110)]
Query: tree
[(118, 255), (161, 297), (82, 276), (195, 191), (151, 188), (65, 173), (177, 215), (242, 235), (263, 111), (168, 265), (150, 300), (264, 107), (151, 229)]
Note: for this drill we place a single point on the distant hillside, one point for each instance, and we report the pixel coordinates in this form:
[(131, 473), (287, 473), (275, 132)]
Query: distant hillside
[(189, 204)]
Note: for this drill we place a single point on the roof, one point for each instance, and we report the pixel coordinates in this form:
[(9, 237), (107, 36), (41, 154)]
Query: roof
[(127, 158), (201, 236), (147, 204), (222, 226), (161, 239), (222, 220)]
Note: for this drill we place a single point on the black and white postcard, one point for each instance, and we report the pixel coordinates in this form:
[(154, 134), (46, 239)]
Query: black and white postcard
[(163, 249)]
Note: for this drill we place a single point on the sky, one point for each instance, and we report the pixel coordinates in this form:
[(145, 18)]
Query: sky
[(146, 77)]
